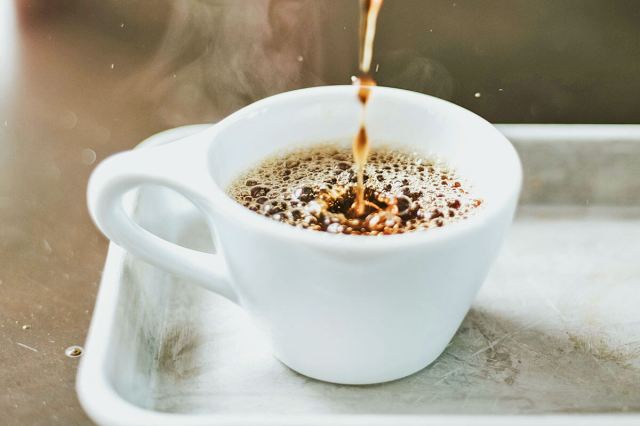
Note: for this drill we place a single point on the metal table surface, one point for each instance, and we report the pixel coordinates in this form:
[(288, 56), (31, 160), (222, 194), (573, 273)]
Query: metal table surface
[(59, 115)]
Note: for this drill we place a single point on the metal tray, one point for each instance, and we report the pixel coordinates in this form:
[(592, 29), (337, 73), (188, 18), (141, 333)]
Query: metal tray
[(555, 330)]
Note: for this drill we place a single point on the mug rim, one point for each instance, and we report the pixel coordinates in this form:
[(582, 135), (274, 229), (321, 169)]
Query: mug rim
[(223, 204)]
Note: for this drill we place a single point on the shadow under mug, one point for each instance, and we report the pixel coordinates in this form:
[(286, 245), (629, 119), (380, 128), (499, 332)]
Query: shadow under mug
[(339, 308)]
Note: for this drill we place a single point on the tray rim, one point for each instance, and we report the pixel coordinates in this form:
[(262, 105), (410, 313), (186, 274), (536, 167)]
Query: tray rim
[(105, 406)]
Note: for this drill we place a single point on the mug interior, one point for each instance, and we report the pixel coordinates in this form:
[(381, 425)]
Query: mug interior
[(474, 148)]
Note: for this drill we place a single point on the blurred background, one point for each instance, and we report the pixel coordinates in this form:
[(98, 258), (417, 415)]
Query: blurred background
[(548, 61), (81, 79)]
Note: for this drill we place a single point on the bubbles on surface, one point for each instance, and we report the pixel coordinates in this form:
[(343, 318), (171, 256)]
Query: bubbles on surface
[(73, 351), (314, 188), (88, 156)]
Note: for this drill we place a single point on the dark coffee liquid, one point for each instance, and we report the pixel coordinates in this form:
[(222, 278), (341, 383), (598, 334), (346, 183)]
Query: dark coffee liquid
[(316, 188)]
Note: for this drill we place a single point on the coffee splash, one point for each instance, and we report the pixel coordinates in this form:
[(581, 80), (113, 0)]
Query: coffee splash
[(369, 10), (315, 188)]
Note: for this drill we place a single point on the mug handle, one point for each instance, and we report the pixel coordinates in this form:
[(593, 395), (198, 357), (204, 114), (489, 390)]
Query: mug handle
[(181, 166)]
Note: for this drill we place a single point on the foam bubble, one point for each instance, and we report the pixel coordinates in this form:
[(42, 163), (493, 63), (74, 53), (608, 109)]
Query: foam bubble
[(314, 188)]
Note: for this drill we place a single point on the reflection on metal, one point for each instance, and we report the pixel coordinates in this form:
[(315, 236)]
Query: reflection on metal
[(8, 45)]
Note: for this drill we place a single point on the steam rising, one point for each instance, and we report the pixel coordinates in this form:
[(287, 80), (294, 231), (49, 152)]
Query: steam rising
[(409, 69), (217, 56)]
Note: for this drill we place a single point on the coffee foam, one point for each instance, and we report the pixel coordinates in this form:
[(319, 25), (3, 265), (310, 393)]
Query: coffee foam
[(314, 188)]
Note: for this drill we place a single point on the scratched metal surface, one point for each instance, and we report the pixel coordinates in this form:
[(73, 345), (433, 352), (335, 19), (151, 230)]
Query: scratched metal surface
[(555, 329)]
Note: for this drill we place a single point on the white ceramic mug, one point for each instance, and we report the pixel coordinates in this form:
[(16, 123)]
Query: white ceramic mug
[(340, 308)]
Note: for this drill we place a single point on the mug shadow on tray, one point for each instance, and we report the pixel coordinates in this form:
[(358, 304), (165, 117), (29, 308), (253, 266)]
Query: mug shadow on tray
[(206, 356), (495, 364)]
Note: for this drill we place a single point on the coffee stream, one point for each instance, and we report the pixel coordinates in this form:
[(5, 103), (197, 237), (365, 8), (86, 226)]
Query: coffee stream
[(368, 19), (317, 188)]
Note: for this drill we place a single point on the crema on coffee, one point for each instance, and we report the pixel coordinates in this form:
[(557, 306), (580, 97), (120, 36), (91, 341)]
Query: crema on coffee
[(315, 188)]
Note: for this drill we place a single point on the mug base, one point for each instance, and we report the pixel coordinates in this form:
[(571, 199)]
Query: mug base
[(357, 379)]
